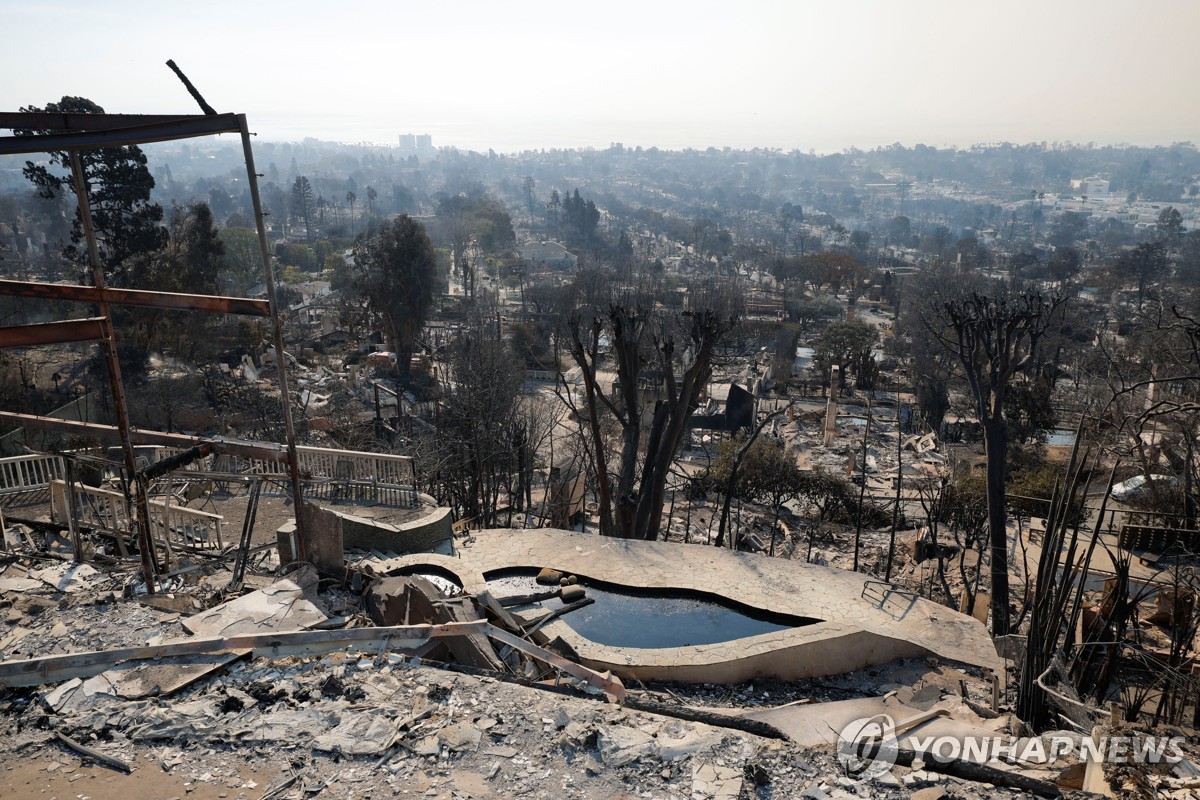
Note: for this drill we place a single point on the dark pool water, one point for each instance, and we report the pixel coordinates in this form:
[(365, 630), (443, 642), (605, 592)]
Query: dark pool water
[(627, 617)]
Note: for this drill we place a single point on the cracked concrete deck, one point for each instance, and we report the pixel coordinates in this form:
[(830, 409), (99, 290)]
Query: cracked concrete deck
[(864, 622)]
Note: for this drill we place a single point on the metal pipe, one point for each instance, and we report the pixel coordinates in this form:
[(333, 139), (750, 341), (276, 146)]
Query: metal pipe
[(109, 346), (285, 397)]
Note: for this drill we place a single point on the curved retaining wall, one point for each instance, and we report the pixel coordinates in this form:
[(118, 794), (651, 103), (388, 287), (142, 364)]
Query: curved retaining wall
[(429, 532)]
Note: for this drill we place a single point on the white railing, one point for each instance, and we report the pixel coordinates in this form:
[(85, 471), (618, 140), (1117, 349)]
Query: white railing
[(316, 463), (383, 468), (29, 473), (172, 526)]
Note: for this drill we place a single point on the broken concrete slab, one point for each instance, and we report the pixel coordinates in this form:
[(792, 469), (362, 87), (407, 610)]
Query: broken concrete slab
[(716, 782), (460, 736), (284, 725), (472, 784), (148, 680), (358, 734), (19, 584), (136, 680), (620, 745), (678, 749), (280, 607), (67, 576), (11, 638)]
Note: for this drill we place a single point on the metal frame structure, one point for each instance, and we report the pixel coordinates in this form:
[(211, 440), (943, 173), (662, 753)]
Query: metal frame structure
[(75, 132)]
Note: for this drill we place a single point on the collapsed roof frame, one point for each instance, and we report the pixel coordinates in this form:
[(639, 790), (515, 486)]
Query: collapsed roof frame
[(75, 132)]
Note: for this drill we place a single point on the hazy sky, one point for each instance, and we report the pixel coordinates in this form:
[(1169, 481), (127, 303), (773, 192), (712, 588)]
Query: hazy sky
[(512, 75)]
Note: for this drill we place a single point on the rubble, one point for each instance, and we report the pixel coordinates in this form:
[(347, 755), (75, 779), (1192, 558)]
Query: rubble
[(280, 607), (379, 719)]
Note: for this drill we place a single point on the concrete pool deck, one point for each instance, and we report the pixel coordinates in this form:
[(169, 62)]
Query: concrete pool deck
[(863, 621)]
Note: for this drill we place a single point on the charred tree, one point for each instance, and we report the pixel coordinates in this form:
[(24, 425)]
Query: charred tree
[(995, 338)]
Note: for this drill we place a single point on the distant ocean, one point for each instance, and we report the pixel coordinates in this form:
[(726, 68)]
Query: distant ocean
[(385, 129)]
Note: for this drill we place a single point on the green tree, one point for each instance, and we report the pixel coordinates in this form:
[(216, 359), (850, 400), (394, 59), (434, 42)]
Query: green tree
[(789, 215), (579, 219), (395, 269), (339, 272), (528, 185), (831, 270), (192, 261), (372, 196), (479, 219), (553, 206), (243, 260), (1069, 229), (119, 187), (1146, 261), (844, 343), (1187, 265), (1169, 226), (531, 342), (825, 491), (304, 204), (899, 231)]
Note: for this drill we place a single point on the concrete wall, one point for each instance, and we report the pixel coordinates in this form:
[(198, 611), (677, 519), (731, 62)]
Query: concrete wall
[(823, 649), (420, 536)]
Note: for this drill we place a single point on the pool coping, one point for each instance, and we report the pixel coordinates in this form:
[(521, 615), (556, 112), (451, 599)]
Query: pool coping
[(864, 621)]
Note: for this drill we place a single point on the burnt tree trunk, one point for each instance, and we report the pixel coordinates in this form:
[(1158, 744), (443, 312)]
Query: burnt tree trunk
[(996, 450)]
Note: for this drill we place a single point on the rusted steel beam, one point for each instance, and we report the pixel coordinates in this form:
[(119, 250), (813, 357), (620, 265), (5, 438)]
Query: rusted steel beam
[(116, 385), (167, 131), (70, 330), (136, 297), (285, 396), (80, 121), (177, 461), (264, 451)]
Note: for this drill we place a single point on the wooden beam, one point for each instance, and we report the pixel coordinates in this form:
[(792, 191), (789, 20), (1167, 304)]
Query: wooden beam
[(216, 304)]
